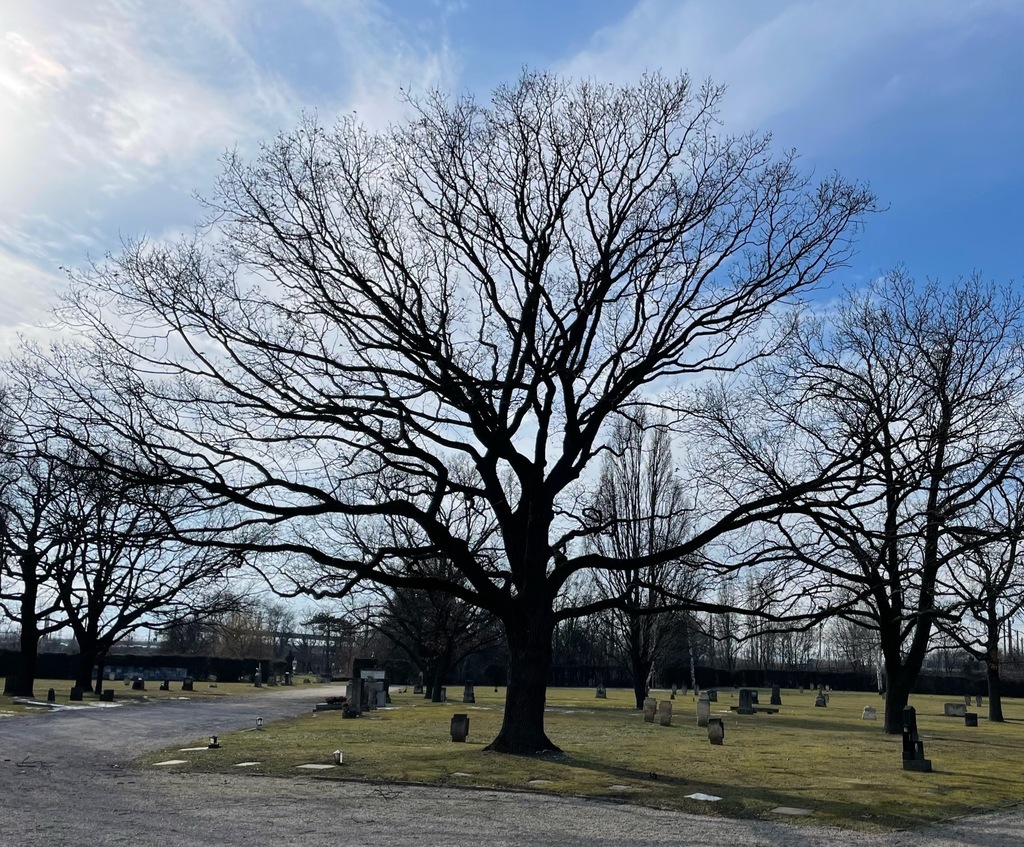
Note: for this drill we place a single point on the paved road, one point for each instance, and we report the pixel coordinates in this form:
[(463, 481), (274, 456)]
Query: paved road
[(64, 780)]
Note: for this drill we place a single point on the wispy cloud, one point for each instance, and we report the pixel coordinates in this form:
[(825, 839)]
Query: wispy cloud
[(817, 62), (114, 111)]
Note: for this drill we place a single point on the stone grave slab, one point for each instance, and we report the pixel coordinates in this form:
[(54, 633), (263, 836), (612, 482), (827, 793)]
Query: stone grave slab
[(315, 767), (170, 762), (246, 764), (795, 811), (192, 749), (709, 798)]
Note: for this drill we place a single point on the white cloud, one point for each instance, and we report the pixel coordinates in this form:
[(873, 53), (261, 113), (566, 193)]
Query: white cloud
[(114, 112), (831, 64)]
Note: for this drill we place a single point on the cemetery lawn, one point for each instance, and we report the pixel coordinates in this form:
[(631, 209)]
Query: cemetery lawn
[(123, 693), (827, 760)]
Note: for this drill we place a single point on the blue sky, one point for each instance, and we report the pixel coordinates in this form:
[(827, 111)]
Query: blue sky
[(113, 112)]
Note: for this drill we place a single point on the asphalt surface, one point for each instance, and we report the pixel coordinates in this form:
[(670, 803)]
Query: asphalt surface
[(65, 780)]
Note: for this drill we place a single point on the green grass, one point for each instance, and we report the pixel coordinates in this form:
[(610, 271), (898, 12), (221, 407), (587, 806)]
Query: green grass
[(123, 693), (828, 760)]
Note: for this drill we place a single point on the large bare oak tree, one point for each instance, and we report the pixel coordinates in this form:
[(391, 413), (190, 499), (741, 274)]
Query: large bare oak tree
[(382, 328)]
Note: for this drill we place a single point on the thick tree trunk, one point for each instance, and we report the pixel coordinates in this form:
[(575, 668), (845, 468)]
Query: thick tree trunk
[(995, 692), (898, 682), (529, 662), (641, 672), (101, 669), (22, 681), (86, 665)]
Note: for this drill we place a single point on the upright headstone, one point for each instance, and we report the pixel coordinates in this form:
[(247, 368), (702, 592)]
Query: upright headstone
[(776, 696), (967, 699), (417, 689), (820, 700), (746, 705), (138, 684), (187, 684), (954, 710), (703, 709), (165, 685), (51, 696), (107, 695), (665, 713), (979, 701), (650, 707), (76, 694), (460, 727), (468, 694), (257, 678), (913, 746), (970, 719), (602, 693), (869, 714), (712, 695), (716, 730), (444, 694), (355, 695)]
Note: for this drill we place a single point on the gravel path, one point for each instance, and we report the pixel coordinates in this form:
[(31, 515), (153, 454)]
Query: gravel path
[(64, 780)]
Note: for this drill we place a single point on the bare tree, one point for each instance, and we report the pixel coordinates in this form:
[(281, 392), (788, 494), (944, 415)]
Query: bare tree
[(986, 585), (641, 502), (434, 630), (929, 378), (482, 287), (40, 531)]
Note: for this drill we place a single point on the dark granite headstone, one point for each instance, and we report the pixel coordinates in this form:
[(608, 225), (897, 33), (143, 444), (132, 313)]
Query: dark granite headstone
[(186, 684), (746, 705), (51, 696), (107, 695), (76, 694), (776, 696), (138, 684), (460, 727), (913, 746), (970, 718)]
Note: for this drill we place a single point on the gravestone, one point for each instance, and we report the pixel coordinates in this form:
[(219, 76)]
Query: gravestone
[(869, 714), (138, 684), (712, 695), (650, 707), (716, 730), (370, 688), (107, 695), (673, 692), (444, 694), (913, 746), (967, 699), (468, 694), (979, 701), (165, 685), (746, 705), (954, 710), (820, 700), (970, 718), (187, 684), (76, 694), (776, 696), (801, 689), (460, 727), (355, 695), (51, 696), (602, 693), (417, 689), (257, 678), (703, 709), (665, 713)]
